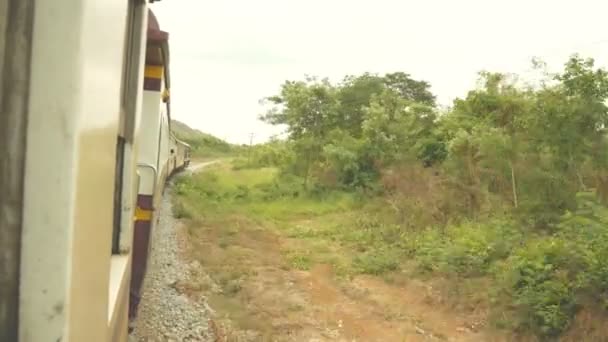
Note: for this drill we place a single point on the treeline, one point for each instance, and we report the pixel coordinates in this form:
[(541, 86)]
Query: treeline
[(509, 183)]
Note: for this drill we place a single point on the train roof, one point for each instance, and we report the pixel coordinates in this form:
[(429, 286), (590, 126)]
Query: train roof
[(182, 142), (155, 34), (179, 141)]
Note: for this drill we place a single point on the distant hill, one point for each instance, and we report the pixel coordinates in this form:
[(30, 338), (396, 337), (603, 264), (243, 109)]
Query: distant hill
[(203, 144)]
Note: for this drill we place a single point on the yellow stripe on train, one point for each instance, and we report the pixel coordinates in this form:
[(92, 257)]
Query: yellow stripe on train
[(154, 71), (143, 214)]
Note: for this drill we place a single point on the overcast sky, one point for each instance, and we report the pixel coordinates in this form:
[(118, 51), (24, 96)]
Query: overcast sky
[(227, 55)]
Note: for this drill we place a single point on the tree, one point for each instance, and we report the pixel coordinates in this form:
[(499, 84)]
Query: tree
[(354, 95), (409, 89)]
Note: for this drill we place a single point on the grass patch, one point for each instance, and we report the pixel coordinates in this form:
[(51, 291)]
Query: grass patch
[(377, 262), (299, 260)]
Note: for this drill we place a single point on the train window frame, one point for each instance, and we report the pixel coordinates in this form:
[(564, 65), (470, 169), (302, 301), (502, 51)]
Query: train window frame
[(125, 172)]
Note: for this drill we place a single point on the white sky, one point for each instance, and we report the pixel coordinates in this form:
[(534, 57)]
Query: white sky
[(227, 55)]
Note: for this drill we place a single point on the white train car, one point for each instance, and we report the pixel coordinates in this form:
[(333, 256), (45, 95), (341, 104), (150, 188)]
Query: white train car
[(173, 155), (180, 155), (153, 156), (84, 140), (183, 155), (187, 151)]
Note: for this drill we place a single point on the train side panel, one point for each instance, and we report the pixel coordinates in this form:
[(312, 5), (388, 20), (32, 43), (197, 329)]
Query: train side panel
[(149, 135), (183, 154), (98, 154), (153, 158), (173, 155), (187, 155), (149, 166), (180, 153), (74, 275), (123, 240), (165, 137)]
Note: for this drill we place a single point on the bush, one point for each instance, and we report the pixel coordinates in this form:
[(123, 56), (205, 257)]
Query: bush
[(377, 261), (428, 247), (541, 280), (284, 186), (241, 192), (549, 278), (271, 154), (474, 248), (464, 250), (180, 211)]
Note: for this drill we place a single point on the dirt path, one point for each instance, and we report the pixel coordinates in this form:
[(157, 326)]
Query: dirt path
[(259, 298)]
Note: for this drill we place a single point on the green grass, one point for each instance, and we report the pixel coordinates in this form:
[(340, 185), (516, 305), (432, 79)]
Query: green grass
[(300, 260), (292, 209), (230, 179), (331, 227)]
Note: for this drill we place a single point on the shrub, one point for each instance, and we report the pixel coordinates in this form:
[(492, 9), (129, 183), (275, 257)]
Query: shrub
[(377, 261), (464, 250), (428, 247), (181, 211), (285, 186), (473, 248), (550, 277), (541, 279), (241, 192)]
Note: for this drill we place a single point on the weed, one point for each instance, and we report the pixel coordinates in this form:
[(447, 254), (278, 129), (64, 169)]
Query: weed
[(180, 210), (299, 261), (377, 262)]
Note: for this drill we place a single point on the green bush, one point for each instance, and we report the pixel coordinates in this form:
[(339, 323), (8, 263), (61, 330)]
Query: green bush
[(541, 280), (181, 211), (271, 154), (428, 247), (241, 192), (546, 280), (464, 250), (473, 248), (377, 261), (284, 186)]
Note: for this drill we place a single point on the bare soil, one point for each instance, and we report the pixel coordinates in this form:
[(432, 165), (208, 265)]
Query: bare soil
[(257, 296)]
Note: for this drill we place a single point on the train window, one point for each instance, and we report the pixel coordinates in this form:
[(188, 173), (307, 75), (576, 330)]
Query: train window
[(131, 61)]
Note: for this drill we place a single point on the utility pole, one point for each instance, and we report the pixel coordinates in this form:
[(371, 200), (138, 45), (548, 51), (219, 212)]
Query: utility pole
[(251, 135)]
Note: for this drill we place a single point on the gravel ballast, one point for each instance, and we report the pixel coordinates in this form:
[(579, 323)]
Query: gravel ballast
[(165, 314)]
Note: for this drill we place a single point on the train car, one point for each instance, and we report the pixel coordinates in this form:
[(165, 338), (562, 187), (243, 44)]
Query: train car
[(182, 157), (173, 156), (154, 156), (187, 150), (85, 145)]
